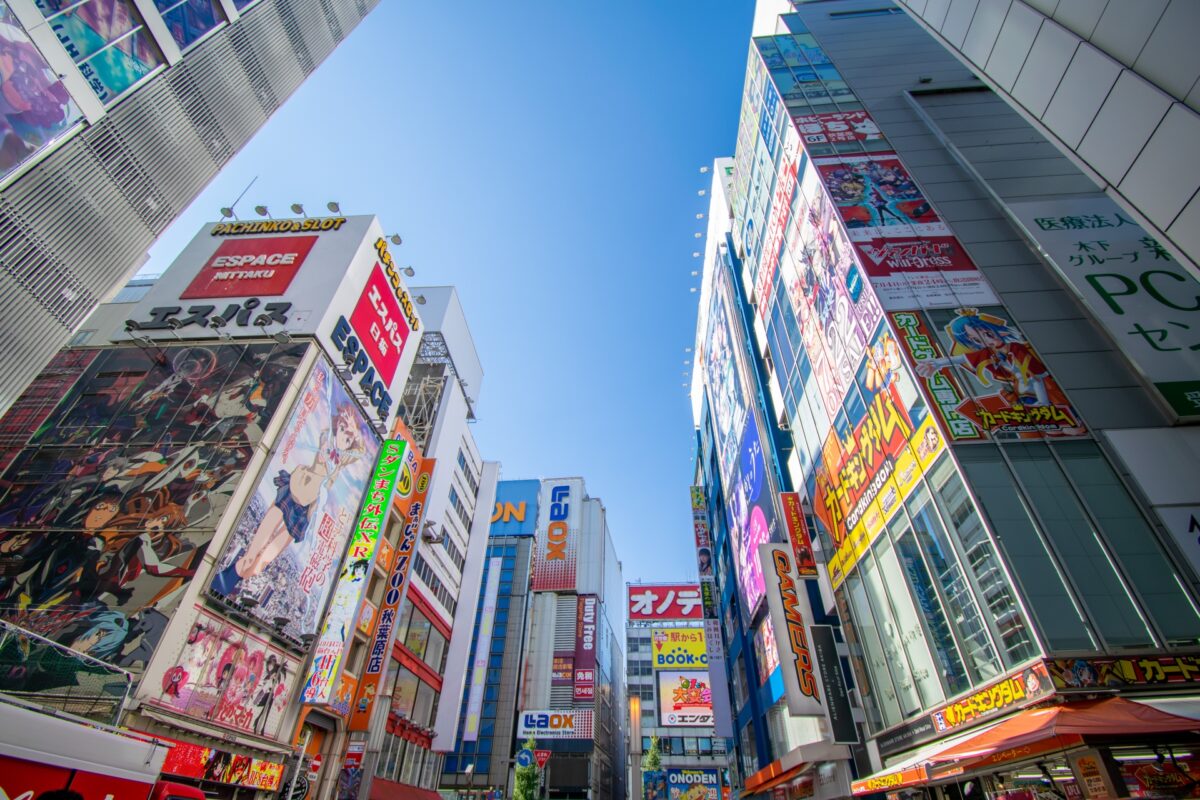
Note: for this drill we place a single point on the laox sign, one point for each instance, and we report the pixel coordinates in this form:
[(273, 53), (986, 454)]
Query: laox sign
[(546, 721), (556, 533)]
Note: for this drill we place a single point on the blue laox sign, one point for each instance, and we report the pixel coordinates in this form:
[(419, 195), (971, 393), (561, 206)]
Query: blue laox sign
[(554, 724), (359, 363)]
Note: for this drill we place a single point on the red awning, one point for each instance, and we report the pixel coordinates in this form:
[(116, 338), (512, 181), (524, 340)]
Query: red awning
[(1065, 725), (390, 790)]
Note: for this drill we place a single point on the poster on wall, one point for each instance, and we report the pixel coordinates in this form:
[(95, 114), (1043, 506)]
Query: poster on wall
[(750, 507), (684, 699), (230, 677), (1011, 393), (881, 443), (837, 127), (107, 512), (877, 198), (726, 397), (286, 547), (38, 109), (923, 272), (1139, 293)]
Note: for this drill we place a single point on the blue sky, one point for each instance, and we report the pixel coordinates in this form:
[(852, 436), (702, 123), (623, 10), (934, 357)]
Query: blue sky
[(544, 157)]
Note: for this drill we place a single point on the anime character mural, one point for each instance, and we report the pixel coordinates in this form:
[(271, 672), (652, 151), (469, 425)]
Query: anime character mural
[(284, 550), (228, 676), (1013, 393), (109, 507)]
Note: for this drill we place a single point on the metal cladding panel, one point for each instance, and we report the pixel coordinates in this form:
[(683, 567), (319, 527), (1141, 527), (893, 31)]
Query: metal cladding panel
[(589, 565), (75, 225)]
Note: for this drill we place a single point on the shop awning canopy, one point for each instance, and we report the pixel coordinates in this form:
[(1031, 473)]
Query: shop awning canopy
[(1065, 725)]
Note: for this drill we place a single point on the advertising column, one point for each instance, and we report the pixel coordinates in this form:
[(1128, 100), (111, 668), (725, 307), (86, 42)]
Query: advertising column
[(721, 705)]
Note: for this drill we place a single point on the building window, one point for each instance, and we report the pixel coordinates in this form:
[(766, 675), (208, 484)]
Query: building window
[(452, 550), (107, 39)]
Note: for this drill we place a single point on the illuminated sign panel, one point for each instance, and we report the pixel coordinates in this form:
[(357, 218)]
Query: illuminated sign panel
[(248, 267), (657, 602), (555, 724)]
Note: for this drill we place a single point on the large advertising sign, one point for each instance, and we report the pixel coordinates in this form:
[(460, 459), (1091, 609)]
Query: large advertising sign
[(329, 277), (228, 677), (992, 383), (880, 444), (108, 510), (554, 724), (837, 127), (1142, 296), (516, 509), (220, 766), (798, 535), (684, 699), (587, 607), (556, 545), (678, 648), (408, 503), (262, 267), (655, 602), (693, 784), (286, 547), (726, 397), (700, 528), (1145, 671), (483, 644), (790, 615), (750, 504), (337, 632)]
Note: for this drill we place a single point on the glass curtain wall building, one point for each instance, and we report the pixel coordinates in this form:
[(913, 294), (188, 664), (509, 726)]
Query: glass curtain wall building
[(969, 428)]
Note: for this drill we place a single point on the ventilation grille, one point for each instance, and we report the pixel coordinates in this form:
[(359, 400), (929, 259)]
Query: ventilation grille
[(75, 226)]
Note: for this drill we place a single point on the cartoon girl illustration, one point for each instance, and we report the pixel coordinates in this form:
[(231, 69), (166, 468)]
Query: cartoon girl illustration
[(270, 687), (992, 350), (287, 520)]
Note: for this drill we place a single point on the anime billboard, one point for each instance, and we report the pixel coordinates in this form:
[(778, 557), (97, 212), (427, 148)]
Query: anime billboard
[(750, 508), (108, 509), (882, 441), (684, 699), (726, 397), (286, 548), (230, 677), (992, 382)]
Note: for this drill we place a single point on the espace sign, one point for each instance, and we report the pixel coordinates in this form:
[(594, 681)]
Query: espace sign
[(331, 278), (554, 724), (261, 267)]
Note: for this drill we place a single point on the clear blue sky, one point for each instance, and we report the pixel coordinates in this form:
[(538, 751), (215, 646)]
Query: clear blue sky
[(542, 156)]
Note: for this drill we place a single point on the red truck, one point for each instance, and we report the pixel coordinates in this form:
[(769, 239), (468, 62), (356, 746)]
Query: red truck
[(40, 752)]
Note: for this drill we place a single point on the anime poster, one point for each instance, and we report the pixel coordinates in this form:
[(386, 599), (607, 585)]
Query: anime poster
[(230, 677), (106, 513), (835, 308), (881, 443), (923, 272), (766, 650), (837, 127), (726, 397), (877, 197), (750, 510), (37, 108), (1008, 391), (286, 549), (654, 785), (684, 699)]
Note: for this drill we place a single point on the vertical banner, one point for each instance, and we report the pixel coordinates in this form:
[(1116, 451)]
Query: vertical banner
[(338, 629), (585, 647), (789, 615), (797, 529), (703, 534), (483, 643), (409, 504), (556, 544), (837, 702)]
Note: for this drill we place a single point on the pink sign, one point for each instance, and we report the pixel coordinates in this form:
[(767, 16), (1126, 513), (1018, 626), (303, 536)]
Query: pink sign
[(380, 325)]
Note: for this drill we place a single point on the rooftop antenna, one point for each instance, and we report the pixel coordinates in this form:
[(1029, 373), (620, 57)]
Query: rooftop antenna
[(228, 211)]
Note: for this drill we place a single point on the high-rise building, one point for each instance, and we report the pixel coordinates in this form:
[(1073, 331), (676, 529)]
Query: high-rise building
[(943, 381), (239, 545), (482, 760), (570, 689), (667, 670), (1114, 85), (429, 658), (124, 111)]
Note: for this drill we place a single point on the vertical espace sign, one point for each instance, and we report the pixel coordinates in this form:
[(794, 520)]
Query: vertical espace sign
[(483, 646), (356, 572)]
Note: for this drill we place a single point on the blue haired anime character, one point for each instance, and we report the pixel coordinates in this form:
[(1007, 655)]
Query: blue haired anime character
[(102, 635), (994, 351)]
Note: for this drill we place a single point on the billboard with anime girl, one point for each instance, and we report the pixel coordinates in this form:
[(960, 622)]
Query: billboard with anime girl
[(287, 545), (107, 508), (228, 676)]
